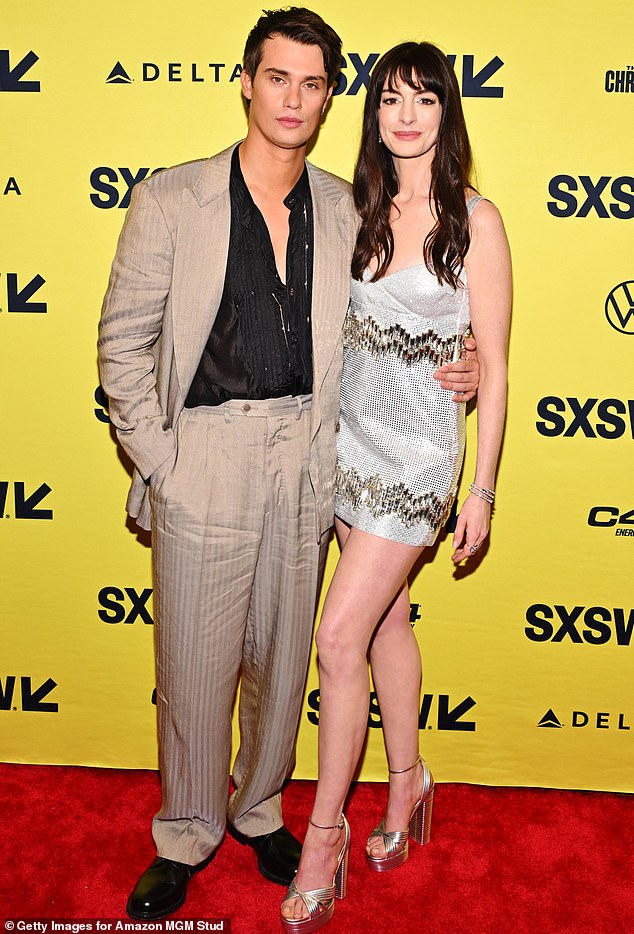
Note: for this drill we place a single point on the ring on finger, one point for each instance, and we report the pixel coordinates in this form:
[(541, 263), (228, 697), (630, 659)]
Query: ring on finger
[(473, 549)]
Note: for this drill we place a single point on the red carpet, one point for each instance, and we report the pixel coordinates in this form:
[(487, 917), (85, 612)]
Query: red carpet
[(501, 861)]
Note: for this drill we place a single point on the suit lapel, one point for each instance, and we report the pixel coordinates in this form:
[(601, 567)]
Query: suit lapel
[(331, 272), (200, 263)]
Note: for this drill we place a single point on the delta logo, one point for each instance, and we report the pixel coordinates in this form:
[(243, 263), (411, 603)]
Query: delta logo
[(580, 719)]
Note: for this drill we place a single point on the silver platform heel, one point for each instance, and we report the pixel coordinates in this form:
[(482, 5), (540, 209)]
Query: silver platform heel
[(396, 842), (320, 903)]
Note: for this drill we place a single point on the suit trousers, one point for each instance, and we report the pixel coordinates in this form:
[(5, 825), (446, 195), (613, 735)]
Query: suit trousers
[(236, 570)]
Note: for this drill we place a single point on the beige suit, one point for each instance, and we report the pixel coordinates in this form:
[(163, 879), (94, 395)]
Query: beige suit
[(215, 617)]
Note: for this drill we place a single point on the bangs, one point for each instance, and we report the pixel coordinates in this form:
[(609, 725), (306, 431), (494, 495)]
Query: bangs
[(417, 68)]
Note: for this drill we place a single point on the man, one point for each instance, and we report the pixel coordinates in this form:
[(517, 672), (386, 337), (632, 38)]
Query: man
[(220, 351)]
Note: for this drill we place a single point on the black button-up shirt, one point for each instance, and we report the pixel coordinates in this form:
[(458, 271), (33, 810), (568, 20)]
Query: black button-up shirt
[(260, 346)]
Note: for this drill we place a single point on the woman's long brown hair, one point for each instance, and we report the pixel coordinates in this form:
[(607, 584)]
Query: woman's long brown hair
[(420, 65)]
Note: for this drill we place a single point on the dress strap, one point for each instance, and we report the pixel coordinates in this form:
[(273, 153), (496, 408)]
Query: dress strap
[(473, 202)]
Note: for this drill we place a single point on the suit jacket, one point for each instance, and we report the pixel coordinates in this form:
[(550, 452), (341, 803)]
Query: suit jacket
[(165, 287)]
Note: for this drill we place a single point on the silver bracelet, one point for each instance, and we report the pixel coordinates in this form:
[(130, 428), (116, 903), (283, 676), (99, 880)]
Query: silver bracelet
[(481, 491)]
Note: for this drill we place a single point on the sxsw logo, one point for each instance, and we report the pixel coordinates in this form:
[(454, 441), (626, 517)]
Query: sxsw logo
[(593, 418), (567, 203), (619, 307), (124, 606), (25, 505), (354, 76), (30, 697), (600, 720), (12, 78), (445, 717), (101, 413), (620, 81), (19, 294), (594, 625), (112, 187), (607, 517)]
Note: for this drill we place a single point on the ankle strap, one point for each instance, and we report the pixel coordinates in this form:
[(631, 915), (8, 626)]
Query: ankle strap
[(338, 826), (400, 771)]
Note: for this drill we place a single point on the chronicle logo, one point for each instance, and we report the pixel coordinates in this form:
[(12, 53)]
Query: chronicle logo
[(11, 79), (19, 295), (599, 720), (613, 418), (608, 517), (567, 204), (445, 717), (31, 698), (595, 625), (620, 81), (619, 307)]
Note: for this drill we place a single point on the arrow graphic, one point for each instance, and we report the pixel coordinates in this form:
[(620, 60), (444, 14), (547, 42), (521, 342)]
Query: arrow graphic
[(450, 719), (32, 700), (25, 508), (18, 299), (473, 84), (10, 77)]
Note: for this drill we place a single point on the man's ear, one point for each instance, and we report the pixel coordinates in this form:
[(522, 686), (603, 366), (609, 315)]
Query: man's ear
[(246, 84)]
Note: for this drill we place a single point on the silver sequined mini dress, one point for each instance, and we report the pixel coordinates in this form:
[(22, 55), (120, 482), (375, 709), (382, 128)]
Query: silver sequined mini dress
[(401, 439)]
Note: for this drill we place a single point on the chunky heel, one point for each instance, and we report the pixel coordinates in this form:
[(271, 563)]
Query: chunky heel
[(396, 842), (341, 877), (320, 903), (420, 821)]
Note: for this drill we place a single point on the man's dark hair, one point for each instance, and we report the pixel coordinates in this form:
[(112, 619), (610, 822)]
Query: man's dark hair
[(300, 25)]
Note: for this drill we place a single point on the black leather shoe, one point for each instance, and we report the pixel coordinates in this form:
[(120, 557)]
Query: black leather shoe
[(278, 853), (160, 890)]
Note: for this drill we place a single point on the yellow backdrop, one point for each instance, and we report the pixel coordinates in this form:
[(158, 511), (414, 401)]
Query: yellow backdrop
[(527, 654)]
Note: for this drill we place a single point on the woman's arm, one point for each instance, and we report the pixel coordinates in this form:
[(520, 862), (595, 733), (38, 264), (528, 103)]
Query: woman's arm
[(488, 266)]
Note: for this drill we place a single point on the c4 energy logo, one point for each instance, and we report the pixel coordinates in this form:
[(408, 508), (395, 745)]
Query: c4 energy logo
[(620, 81), (447, 716), (606, 197), (594, 418), (608, 517), (20, 293), (619, 307), (30, 696), (598, 720), (594, 625), (112, 187), (25, 505), (12, 78)]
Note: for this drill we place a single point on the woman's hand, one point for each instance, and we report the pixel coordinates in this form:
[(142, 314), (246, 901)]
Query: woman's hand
[(472, 527)]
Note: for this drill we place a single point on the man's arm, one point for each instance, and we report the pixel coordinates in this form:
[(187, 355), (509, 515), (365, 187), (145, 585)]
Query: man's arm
[(130, 325), (462, 377)]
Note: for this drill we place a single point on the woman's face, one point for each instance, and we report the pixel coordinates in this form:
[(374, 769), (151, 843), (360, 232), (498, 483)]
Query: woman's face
[(409, 119)]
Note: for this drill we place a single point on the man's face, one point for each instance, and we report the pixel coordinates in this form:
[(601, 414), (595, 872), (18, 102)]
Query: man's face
[(288, 93)]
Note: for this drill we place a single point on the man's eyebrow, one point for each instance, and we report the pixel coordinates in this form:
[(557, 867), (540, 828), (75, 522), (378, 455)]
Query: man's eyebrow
[(287, 74)]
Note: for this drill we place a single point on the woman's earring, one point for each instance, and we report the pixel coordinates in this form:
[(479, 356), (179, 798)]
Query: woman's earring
[(380, 140)]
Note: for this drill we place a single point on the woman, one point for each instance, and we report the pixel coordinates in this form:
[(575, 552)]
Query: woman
[(425, 234)]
